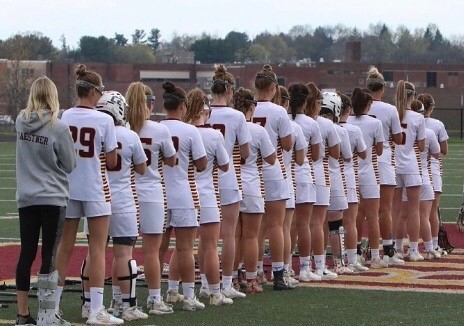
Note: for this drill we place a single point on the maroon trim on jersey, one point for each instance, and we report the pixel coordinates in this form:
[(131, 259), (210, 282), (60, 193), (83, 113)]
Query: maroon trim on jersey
[(204, 126), (262, 101), (84, 107), (342, 122), (175, 119), (219, 106)]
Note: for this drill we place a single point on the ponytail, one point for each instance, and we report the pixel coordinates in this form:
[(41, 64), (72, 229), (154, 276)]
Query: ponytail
[(137, 100), (299, 94), (404, 91)]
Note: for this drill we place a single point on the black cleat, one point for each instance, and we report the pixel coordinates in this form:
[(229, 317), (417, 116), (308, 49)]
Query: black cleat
[(25, 320), (279, 282)]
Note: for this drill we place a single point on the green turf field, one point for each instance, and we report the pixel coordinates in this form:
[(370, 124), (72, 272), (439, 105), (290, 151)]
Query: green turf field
[(303, 306)]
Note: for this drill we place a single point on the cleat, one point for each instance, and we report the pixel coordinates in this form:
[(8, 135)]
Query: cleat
[(326, 274), (378, 263), (253, 287), (25, 320), (193, 304), (174, 297), (395, 260), (415, 257), (85, 311), (289, 279), (113, 306), (205, 293), (361, 259), (133, 313), (280, 283), (104, 318), (358, 268), (232, 293), (309, 276), (432, 254), (236, 284), (218, 299), (159, 308), (340, 270), (261, 278)]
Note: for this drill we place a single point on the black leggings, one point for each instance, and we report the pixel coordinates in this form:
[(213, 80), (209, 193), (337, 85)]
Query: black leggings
[(31, 220)]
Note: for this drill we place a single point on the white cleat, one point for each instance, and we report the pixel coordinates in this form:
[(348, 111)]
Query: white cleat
[(159, 308), (289, 279), (326, 274), (104, 318), (85, 311), (358, 268), (395, 260), (309, 276), (432, 254), (205, 293), (193, 304), (378, 263), (133, 313), (233, 294), (340, 270), (174, 297), (415, 257), (218, 299)]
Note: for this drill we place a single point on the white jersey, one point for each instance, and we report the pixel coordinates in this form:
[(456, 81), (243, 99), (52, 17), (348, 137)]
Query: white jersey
[(439, 129), (329, 139), (313, 136), (157, 143), (274, 119), (121, 177), (388, 115), (232, 125), (216, 153), (431, 147), (260, 147), (407, 154), (357, 145), (181, 188), (299, 143), (94, 135), (372, 132), (337, 167)]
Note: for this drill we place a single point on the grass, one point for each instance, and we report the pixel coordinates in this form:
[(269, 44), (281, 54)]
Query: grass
[(303, 306)]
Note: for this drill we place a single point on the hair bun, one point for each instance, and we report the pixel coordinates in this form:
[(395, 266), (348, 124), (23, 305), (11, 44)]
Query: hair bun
[(357, 91), (169, 87), (373, 72), (81, 70), (267, 67), (220, 69)]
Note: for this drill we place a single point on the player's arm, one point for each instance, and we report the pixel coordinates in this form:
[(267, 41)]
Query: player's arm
[(170, 161), (421, 144), (334, 151), (379, 148), (287, 143), (398, 138), (363, 154), (201, 163), (444, 147), (140, 168), (111, 158), (224, 168), (271, 159), (245, 150), (315, 151), (299, 157)]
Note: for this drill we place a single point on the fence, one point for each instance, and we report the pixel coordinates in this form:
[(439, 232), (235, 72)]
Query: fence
[(453, 119)]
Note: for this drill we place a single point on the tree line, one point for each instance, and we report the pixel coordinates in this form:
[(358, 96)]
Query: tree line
[(379, 44)]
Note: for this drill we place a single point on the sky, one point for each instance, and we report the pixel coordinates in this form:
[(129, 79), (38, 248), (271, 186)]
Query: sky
[(54, 18)]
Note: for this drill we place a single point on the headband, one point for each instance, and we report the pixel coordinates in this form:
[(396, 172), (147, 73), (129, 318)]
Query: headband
[(174, 97), (375, 80), (261, 75), (85, 84)]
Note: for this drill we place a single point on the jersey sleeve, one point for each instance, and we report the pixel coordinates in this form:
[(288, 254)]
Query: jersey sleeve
[(167, 146), (284, 125), (395, 123), (345, 146), (265, 145), (421, 128), (197, 147), (222, 156), (434, 146), (138, 154), (316, 136), (300, 140), (442, 134), (64, 148), (379, 137), (243, 134), (332, 135), (110, 140), (360, 143)]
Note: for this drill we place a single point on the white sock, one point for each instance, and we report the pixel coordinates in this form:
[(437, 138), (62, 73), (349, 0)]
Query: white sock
[(319, 260), (173, 285), (375, 254), (251, 275), (387, 242), (204, 281), (116, 293), (215, 288), (240, 265), (304, 264), (351, 256), (399, 244), (435, 242), (188, 289), (155, 294), (57, 298), (125, 300), (235, 274), (428, 245), (226, 282), (277, 266), (414, 247), (286, 267), (260, 266), (96, 300)]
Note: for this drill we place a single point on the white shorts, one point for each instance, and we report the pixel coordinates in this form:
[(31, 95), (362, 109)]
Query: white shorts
[(230, 196), (210, 215), (78, 209), (408, 180), (305, 193), (252, 205), (437, 182), (352, 196), (151, 218), (369, 192), (387, 174), (123, 225), (276, 190), (338, 201), (322, 196), (426, 193), (182, 218), (290, 203)]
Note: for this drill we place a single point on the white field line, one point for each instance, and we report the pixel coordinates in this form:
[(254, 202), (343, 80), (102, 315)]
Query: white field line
[(11, 217), (8, 188)]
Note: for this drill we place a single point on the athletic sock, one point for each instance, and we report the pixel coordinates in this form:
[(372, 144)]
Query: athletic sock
[(277, 266), (188, 289), (250, 276), (375, 254), (116, 293), (155, 294), (215, 288), (204, 281), (96, 300), (351, 256), (226, 282), (125, 300), (428, 245), (304, 264), (414, 247), (235, 274), (173, 285), (319, 260), (87, 297), (240, 266), (57, 298), (399, 244), (388, 247), (286, 267), (260, 266), (435, 242)]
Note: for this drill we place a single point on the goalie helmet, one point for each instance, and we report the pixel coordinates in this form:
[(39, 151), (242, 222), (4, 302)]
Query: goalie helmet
[(113, 103), (331, 104)]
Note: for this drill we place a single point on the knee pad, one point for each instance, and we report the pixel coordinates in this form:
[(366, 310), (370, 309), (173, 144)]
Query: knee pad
[(132, 278), (84, 279), (334, 226)]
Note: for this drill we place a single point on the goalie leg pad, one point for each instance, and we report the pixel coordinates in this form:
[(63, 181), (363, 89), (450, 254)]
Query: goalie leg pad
[(84, 279), (132, 277)]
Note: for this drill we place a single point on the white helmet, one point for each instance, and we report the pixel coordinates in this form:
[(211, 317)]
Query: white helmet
[(332, 102), (114, 103)]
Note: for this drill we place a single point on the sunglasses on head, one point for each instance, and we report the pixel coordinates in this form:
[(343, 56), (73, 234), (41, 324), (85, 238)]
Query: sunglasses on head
[(100, 89)]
